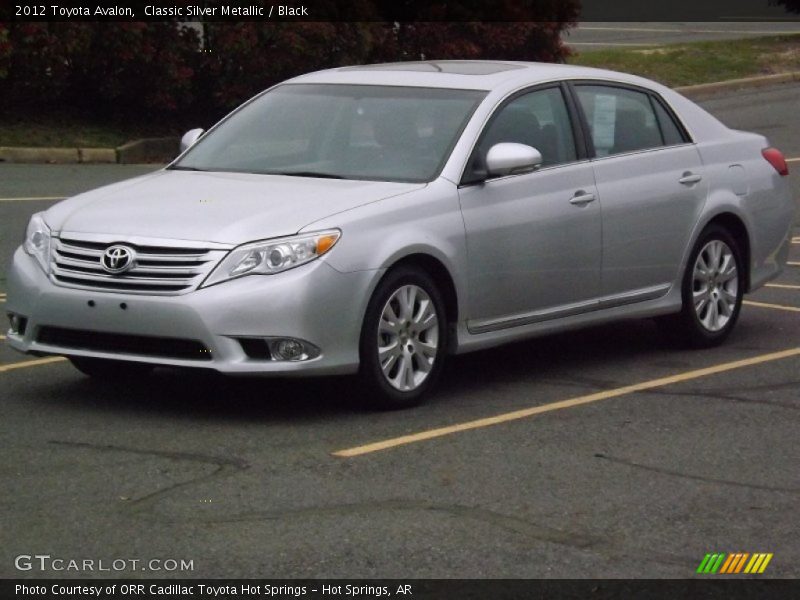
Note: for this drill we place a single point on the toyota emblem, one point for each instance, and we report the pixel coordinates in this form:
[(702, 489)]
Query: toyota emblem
[(117, 259)]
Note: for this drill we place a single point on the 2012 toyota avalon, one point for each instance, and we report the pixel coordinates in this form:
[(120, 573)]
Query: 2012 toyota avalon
[(375, 219)]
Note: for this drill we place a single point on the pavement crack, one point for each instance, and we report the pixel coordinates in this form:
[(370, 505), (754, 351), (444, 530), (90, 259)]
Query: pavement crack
[(224, 465), (725, 395), (509, 523), (703, 478)]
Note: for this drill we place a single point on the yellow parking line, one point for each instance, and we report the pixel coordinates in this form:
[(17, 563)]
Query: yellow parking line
[(570, 403), (793, 264), (2, 337), (793, 159), (34, 198), (31, 363), (775, 306), (783, 286)]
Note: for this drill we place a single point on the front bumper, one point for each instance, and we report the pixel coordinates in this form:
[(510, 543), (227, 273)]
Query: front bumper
[(314, 302)]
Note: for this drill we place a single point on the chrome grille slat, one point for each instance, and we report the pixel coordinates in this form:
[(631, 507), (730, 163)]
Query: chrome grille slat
[(127, 278), (171, 258), (78, 250), (165, 270)]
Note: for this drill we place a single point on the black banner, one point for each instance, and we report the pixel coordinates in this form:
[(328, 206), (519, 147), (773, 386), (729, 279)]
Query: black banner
[(290, 589), (400, 10)]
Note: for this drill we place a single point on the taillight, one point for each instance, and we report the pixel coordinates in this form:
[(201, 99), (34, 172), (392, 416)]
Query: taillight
[(776, 159)]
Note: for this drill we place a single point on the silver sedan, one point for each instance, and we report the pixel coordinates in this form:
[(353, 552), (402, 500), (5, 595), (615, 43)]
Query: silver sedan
[(375, 219)]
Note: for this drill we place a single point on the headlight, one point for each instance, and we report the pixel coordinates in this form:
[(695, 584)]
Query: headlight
[(273, 256), (37, 241)]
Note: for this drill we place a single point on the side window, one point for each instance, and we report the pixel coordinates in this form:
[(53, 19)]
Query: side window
[(538, 119), (670, 130), (620, 120)]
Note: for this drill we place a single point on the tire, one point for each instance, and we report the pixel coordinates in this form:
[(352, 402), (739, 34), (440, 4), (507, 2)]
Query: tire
[(712, 290), (109, 370), (403, 340)]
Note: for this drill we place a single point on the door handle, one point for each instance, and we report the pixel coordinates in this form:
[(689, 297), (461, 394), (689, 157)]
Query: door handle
[(581, 198), (689, 178)]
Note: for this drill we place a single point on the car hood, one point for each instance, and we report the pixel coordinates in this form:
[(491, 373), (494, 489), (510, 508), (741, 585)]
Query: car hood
[(227, 208)]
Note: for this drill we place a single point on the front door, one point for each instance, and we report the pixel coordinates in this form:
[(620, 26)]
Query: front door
[(533, 240)]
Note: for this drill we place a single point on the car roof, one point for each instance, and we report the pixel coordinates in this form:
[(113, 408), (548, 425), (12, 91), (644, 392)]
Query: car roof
[(463, 74)]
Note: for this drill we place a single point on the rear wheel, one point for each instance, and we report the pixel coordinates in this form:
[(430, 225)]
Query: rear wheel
[(403, 340), (108, 370), (712, 291)]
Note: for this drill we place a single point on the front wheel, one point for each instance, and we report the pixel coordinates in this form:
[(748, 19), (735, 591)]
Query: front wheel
[(403, 340), (712, 291), (109, 370)]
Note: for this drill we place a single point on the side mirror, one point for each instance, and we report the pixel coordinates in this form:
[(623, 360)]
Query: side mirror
[(190, 137), (512, 159)]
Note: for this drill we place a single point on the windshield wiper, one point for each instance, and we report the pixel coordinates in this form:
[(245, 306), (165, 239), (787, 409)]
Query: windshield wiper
[(183, 168), (305, 174)]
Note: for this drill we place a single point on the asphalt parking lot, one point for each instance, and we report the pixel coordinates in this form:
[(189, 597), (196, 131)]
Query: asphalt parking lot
[(600, 453)]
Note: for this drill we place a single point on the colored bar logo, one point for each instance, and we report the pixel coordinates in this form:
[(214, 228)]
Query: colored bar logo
[(720, 563)]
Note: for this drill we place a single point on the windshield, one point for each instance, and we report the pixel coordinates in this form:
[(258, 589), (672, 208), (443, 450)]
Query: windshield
[(339, 131)]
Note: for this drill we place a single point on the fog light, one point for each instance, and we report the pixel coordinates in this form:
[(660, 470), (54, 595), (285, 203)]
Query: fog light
[(18, 324), (292, 349)]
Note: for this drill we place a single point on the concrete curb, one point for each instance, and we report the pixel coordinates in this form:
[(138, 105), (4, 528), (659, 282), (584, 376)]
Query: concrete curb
[(148, 150), (162, 150), (158, 150), (717, 87)]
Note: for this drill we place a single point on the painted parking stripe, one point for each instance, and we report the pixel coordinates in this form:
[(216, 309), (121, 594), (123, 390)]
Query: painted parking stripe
[(775, 306), (2, 337), (783, 286), (32, 198), (31, 363), (570, 403), (791, 160), (793, 264)]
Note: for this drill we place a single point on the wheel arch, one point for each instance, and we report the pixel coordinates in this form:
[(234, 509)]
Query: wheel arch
[(440, 273)]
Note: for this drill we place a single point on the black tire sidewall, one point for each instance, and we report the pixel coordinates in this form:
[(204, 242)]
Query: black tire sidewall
[(376, 391)]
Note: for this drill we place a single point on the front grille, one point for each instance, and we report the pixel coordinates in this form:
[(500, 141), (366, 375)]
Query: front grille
[(157, 269), (117, 343)]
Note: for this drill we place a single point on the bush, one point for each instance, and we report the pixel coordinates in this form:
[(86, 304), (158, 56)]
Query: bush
[(472, 40), (106, 69), (162, 71), (245, 58), (40, 61), (132, 68), (5, 51)]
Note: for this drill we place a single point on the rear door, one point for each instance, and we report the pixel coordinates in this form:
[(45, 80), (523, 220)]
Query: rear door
[(650, 182)]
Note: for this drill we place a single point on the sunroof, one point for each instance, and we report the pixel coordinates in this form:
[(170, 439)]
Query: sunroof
[(454, 67)]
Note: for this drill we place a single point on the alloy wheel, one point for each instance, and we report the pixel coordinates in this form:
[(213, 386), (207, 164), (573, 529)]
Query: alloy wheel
[(715, 285), (408, 338)]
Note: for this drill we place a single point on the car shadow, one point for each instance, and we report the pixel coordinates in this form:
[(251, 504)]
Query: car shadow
[(564, 354), (206, 394)]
